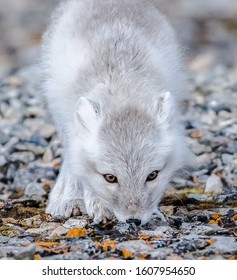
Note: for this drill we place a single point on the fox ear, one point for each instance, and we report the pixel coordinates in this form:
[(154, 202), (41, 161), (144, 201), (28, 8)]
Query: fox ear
[(165, 107), (87, 114)]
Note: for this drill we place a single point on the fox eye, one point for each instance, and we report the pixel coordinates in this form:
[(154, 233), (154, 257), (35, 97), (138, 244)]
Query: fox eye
[(110, 178), (152, 176)]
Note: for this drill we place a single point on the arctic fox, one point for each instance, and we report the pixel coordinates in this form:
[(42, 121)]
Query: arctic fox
[(113, 82)]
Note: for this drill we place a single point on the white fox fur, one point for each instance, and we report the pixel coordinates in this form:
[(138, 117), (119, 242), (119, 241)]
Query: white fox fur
[(113, 82)]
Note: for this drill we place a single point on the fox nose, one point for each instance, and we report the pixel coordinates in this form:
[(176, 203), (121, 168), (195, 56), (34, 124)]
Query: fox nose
[(137, 222)]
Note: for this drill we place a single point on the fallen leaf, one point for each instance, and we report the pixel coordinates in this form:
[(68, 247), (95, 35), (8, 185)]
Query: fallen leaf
[(97, 244), (26, 244), (46, 183), (143, 236), (234, 217), (46, 216), (196, 133), (142, 256), (43, 244), (195, 180), (109, 243), (219, 174), (76, 232), (210, 241), (156, 237), (126, 254), (37, 257), (56, 163), (149, 243), (215, 215)]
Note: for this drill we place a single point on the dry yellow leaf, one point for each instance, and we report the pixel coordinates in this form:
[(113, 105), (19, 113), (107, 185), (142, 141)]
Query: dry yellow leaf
[(143, 236), (108, 243), (196, 133), (156, 236), (219, 174), (142, 256), (126, 254), (76, 232), (234, 217), (37, 257), (210, 241), (97, 244), (215, 215), (43, 244), (195, 180), (149, 243)]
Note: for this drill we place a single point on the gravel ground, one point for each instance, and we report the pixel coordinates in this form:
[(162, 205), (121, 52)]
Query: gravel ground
[(201, 211)]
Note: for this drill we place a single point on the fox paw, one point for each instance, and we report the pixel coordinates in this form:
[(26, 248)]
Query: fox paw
[(71, 208), (66, 208), (96, 210)]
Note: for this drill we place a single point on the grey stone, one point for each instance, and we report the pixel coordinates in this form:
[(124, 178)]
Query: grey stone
[(42, 170), (34, 190), (37, 150), (49, 226), (163, 231), (4, 138), (198, 197), (214, 184), (38, 140), (21, 177), (59, 231), (24, 157), (4, 239), (160, 254), (79, 222), (224, 245), (48, 155), (135, 247), (69, 256), (227, 159), (3, 161), (34, 111), (47, 131), (26, 253)]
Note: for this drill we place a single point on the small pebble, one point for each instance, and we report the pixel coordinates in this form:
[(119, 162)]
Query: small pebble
[(214, 184), (34, 190)]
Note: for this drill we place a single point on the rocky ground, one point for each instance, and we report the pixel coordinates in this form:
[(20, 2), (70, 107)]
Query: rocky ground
[(201, 211)]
